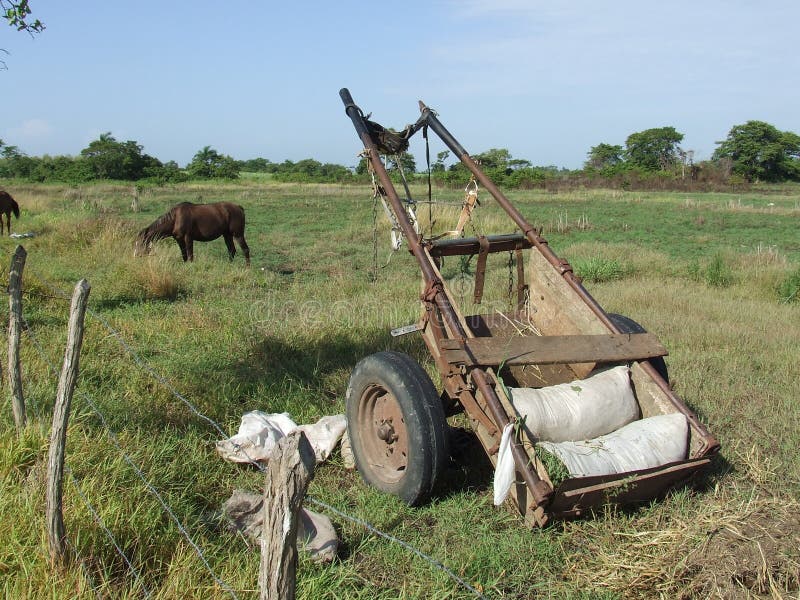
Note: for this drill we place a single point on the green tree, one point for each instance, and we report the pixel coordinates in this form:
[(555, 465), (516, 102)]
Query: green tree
[(494, 158), (438, 166), (14, 163), (110, 159), (210, 164), (759, 151), (654, 149), (255, 165), (604, 156), (17, 14), (404, 160)]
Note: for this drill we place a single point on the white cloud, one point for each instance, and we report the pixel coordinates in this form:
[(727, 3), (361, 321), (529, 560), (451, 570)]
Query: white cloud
[(30, 130)]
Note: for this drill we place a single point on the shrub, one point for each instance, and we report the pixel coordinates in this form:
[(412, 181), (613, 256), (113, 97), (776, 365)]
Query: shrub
[(718, 273), (789, 289), (598, 269)]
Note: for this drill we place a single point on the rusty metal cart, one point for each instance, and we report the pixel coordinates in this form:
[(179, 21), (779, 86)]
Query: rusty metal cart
[(397, 419)]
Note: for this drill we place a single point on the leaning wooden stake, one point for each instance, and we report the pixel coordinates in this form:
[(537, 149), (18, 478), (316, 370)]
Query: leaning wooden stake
[(14, 328), (135, 199), (290, 470), (58, 435)]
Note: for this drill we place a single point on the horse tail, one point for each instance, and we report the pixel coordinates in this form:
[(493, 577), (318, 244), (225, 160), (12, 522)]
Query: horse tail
[(14, 207)]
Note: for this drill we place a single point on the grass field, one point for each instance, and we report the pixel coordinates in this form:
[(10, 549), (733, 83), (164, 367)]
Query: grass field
[(715, 276)]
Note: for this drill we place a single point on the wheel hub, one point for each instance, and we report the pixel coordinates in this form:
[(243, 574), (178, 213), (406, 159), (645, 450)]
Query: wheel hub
[(387, 442)]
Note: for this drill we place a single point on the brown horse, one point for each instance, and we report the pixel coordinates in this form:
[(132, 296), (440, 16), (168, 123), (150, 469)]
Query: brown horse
[(7, 206), (187, 223)]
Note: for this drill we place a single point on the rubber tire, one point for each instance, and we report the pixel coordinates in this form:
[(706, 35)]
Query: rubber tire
[(423, 415), (628, 325)]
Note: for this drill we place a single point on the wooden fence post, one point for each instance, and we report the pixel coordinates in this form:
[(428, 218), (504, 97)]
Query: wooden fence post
[(58, 435), (135, 199), (14, 328), (290, 470)]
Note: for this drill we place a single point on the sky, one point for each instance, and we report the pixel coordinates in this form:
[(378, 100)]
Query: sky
[(545, 80)]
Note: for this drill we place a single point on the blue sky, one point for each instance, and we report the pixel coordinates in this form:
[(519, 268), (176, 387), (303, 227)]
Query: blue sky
[(546, 80)]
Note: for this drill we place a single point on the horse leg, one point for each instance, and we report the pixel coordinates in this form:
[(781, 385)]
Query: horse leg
[(231, 247), (182, 246), (8, 222), (189, 248), (245, 249)]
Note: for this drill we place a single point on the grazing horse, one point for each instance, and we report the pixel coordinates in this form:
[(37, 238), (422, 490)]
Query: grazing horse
[(7, 206), (188, 222)]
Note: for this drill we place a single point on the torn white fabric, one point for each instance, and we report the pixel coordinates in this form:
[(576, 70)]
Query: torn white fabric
[(346, 449), (259, 432), (580, 410), (325, 434), (643, 444), (504, 470), (315, 532)]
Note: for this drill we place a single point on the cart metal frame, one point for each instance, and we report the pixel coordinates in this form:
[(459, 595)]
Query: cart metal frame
[(468, 351)]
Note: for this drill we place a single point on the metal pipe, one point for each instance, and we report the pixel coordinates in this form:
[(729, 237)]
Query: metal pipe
[(527, 229), (543, 247), (431, 278)]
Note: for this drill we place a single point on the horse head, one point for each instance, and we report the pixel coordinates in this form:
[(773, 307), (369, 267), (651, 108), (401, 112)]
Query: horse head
[(142, 246)]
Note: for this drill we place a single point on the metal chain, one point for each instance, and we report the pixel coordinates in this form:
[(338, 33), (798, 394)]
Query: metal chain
[(375, 237), (375, 193)]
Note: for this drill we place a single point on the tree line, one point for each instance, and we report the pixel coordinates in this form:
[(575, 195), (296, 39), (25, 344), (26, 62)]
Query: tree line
[(752, 152)]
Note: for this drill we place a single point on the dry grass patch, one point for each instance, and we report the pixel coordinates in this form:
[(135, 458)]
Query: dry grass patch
[(730, 544)]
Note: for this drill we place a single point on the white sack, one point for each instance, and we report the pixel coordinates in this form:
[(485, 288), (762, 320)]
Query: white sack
[(580, 410), (259, 432), (504, 470), (643, 444), (325, 434)]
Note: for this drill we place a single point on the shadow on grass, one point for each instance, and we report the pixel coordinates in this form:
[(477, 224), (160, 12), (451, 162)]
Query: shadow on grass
[(308, 364)]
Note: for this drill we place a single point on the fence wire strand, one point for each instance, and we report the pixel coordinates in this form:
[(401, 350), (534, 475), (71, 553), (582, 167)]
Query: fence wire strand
[(142, 477), (107, 531), (163, 381)]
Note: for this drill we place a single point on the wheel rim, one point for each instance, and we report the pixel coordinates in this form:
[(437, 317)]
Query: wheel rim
[(383, 432)]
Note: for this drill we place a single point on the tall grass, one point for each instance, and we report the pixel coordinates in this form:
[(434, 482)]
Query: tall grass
[(284, 335)]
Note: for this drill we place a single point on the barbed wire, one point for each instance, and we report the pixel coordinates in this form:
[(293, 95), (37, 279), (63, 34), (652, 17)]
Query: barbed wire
[(86, 573), (107, 531), (141, 476), (406, 545), (67, 468), (163, 381)]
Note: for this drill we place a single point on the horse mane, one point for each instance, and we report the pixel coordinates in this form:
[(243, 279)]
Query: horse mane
[(161, 227)]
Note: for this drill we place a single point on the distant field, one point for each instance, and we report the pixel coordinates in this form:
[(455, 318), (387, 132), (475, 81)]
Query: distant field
[(708, 273)]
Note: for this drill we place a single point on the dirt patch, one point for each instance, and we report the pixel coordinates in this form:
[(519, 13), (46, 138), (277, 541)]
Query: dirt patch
[(757, 556), (723, 545)]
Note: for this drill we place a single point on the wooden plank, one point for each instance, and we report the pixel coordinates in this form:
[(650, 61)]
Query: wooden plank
[(464, 246), (556, 349), (575, 496)]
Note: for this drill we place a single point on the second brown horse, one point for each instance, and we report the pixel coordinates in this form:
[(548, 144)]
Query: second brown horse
[(187, 222), (7, 206)]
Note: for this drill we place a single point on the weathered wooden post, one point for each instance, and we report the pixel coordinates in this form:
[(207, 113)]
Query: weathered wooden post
[(135, 200), (290, 470), (14, 328), (58, 435)]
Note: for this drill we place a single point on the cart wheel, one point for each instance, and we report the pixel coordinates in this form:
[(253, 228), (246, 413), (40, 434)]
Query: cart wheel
[(628, 325), (396, 425)]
